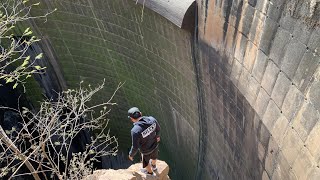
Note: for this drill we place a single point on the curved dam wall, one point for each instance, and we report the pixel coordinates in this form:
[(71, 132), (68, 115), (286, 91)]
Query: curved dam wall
[(236, 99), (260, 72), (119, 41)]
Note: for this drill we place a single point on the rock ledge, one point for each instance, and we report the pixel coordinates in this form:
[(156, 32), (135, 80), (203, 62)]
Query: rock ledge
[(132, 173)]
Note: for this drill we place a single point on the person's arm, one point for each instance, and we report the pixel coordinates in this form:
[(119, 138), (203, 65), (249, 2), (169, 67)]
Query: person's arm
[(135, 144), (157, 131)]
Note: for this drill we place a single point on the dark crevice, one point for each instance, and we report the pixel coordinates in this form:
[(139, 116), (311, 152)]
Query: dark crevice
[(227, 7), (252, 3), (238, 16), (205, 16), (203, 131)]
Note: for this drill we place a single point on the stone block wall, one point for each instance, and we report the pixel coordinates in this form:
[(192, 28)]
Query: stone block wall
[(260, 70)]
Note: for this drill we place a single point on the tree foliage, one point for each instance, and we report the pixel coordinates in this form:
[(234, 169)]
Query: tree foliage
[(16, 64)]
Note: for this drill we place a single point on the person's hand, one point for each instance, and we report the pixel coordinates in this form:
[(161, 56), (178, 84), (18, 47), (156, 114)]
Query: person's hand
[(158, 139), (131, 158)]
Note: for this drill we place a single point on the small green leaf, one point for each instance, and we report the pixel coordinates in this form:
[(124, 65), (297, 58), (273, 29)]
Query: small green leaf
[(28, 33), (25, 31), (27, 58), (25, 110), (36, 4), (25, 1), (9, 80), (15, 85), (24, 64), (91, 151), (39, 56), (57, 143), (37, 67)]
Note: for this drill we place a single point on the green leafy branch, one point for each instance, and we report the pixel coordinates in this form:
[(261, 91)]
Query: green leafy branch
[(16, 64)]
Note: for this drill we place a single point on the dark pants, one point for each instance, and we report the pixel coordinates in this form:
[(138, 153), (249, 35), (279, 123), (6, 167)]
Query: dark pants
[(146, 158)]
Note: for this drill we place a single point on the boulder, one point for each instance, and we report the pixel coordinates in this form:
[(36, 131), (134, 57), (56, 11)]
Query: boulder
[(132, 173)]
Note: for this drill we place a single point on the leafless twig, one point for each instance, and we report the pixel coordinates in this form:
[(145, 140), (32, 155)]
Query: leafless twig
[(45, 137)]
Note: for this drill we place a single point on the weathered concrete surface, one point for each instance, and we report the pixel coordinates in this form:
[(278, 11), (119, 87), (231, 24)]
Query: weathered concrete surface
[(173, 10), (238, 101), (260, 65), (97, 39)]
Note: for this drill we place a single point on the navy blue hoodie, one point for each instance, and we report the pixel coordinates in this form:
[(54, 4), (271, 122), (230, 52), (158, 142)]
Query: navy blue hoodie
[(144, 135)]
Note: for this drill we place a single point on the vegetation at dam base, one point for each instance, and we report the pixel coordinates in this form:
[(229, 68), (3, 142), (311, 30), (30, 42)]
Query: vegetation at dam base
[(47, 142), (50, 141)]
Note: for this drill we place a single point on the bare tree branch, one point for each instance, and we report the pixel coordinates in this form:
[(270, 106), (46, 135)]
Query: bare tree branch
[(46, 136)]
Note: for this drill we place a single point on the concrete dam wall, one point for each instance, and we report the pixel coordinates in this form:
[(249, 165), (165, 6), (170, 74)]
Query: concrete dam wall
[(237, 94)]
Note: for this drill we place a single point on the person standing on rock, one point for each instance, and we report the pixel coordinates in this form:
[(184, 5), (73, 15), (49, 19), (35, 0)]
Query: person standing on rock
[(145, 137)]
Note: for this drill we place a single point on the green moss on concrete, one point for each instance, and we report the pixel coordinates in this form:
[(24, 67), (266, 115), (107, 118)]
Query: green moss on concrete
[(109, 40)]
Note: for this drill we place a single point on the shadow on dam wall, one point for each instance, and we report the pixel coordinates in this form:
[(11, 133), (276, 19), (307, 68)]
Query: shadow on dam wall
[(234, 131), (260, 66), (230, 129)]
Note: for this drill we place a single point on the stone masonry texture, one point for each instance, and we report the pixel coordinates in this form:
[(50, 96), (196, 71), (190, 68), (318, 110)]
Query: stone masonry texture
[(238, 98), (271, 125)]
